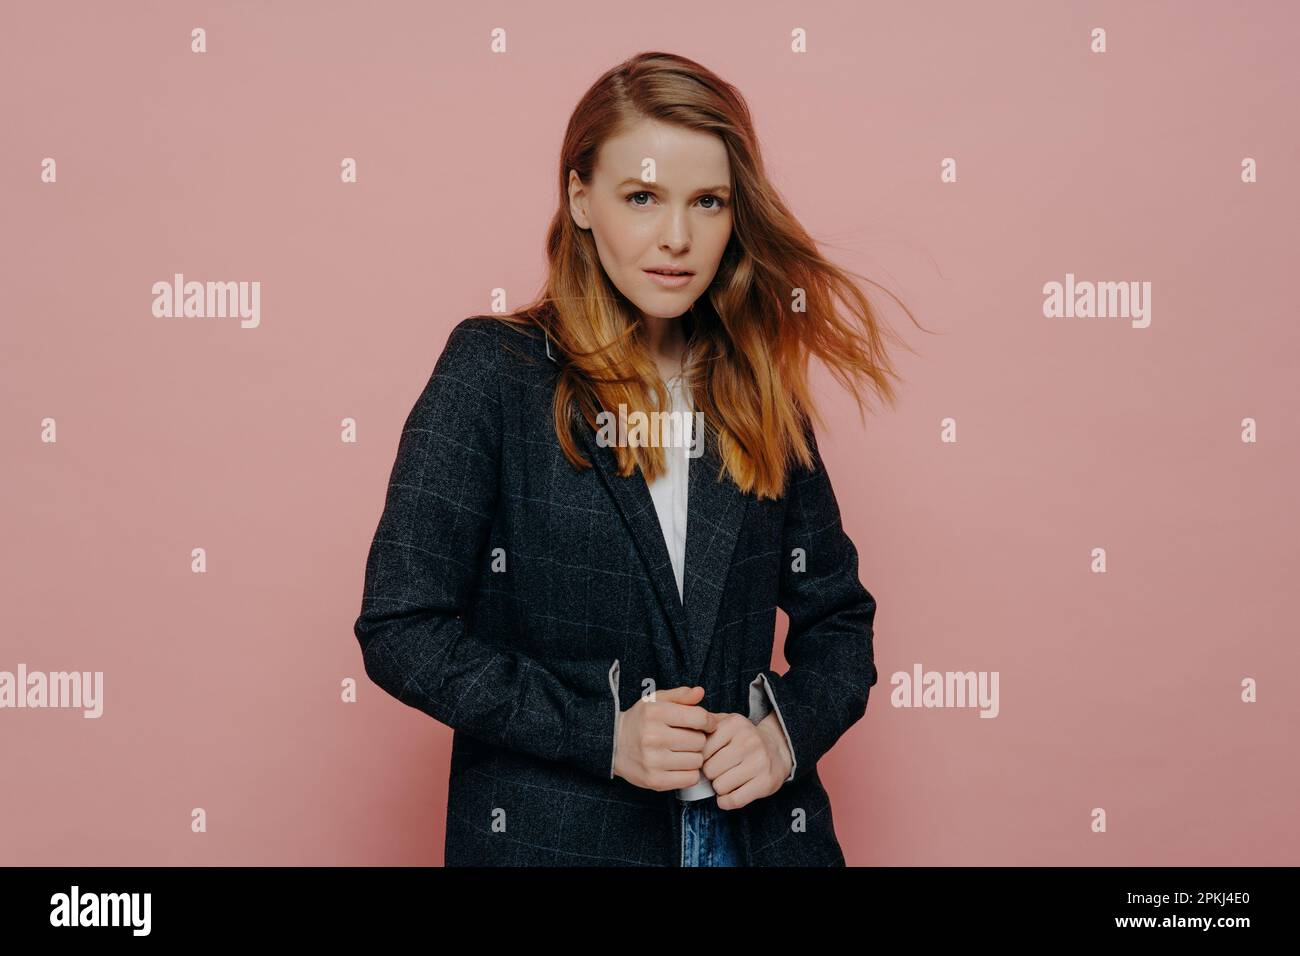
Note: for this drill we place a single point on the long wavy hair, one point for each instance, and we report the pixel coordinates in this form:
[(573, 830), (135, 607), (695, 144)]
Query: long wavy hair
[(770, 307)]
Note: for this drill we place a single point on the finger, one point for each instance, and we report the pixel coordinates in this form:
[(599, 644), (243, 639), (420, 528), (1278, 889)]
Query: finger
[(675, 760), (717, 763), (679, 738), (720, 736), (736, 775), (685, 715), (742, 795), (681, 779), (680, 695), (714, 719)]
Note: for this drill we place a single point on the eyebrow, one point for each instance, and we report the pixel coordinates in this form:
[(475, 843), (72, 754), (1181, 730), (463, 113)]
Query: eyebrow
[(637, 181)]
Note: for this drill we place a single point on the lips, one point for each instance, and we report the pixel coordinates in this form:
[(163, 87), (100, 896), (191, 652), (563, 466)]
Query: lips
[(670, 272), (666, 281)]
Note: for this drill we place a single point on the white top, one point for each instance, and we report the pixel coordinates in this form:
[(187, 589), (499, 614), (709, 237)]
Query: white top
[(669, 494), (669, 489)]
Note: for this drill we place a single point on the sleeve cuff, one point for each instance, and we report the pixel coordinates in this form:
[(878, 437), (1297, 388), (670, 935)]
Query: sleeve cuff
[(618, 715), (761, 703)]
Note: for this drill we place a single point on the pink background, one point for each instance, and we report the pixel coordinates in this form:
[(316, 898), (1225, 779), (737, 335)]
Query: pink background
[(222, 690)]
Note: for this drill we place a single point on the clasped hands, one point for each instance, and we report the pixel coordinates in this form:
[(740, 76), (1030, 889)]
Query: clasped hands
[(666, 740)]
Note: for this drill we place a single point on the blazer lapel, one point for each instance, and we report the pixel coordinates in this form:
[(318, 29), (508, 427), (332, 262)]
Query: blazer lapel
[(632, 496), (715, 509)]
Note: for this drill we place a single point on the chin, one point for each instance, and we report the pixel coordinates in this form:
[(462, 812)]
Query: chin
[(660, 311)]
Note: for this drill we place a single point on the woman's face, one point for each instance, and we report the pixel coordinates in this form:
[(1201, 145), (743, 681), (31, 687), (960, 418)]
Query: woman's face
[(673, 213)]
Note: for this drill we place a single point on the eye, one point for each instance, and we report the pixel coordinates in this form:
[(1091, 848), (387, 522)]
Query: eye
[(717, 201)]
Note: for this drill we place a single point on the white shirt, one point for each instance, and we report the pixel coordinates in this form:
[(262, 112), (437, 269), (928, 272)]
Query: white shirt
[(669, 492), (669, 489)]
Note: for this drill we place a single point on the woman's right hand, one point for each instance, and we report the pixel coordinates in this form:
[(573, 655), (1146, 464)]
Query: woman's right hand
[(661, 739)]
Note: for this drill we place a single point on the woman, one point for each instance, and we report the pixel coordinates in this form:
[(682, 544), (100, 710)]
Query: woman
[(594, 613)]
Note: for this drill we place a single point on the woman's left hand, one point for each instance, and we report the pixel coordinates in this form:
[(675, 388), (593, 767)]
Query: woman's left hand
[(745, 761)]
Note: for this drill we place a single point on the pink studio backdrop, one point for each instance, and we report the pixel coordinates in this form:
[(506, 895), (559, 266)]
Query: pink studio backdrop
[(1120, 691)]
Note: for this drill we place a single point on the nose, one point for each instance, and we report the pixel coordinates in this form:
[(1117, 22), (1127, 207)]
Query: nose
[(676, 233), (675, 243)]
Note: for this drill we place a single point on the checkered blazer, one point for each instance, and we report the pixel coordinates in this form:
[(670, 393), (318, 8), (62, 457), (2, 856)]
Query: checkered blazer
[(524, 603)]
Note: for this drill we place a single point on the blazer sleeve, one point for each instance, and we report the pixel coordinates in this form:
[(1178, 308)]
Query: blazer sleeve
[(431, 541), (829, 644)]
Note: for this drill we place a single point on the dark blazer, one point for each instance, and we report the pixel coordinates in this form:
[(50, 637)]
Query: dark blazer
[(520, 601)]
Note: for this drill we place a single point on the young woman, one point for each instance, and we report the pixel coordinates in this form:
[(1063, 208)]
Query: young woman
[(594, 613)]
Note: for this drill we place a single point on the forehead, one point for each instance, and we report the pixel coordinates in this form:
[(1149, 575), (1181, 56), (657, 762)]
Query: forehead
[(682, 156)]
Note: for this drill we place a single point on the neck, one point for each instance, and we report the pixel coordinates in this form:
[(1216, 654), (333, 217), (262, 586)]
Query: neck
[(665, 338)]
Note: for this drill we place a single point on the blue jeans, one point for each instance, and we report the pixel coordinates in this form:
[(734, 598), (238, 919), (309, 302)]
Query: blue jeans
[(710, 836)]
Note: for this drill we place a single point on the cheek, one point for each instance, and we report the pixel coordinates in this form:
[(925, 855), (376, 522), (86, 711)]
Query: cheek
[(717, 247), (619, 242), (719, 238)]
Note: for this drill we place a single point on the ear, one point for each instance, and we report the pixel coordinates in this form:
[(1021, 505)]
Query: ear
[(578, 201)]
